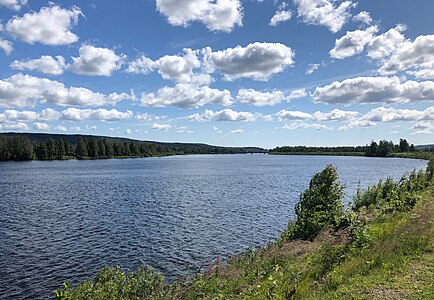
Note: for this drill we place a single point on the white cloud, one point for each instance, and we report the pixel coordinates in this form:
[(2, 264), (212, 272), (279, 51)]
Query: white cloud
[(383, 114), (324, 12), (253, 97), (374, 90), (280, 16), (41, 126), (236, 131), (6, 46), (385, 44), (223, 115), (146, 117), (142, 65), (298, 125), (422, 132), (353, 42), (363, 17), (50, 26), (24, 90), (284, 115), (422, 125), (74, 114), (128, 131), (13, 4), (216, 15), (60, 128), (47, 114), (335, 115), (363, 124), (312, 68), (164, 127), (390, 114), (417, 58), (14, 126), (178, 68), (46, 64), (258, 61), (186, 96), (95, 61)]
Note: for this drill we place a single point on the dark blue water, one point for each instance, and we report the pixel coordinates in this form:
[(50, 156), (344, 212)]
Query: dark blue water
[(64, 220)]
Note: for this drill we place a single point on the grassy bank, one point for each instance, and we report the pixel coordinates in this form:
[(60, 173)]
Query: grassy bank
[(382, 249)]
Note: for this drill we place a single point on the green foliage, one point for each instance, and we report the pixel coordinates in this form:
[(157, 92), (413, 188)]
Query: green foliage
[(113, 283), (319, 205), (393, 196)]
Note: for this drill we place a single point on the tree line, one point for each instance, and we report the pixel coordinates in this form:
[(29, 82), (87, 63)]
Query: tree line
[(22, 148), (384, 148)]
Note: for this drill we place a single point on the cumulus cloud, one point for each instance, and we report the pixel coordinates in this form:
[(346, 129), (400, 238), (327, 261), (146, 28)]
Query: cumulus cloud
[(13, 4), (14, 126), (24, 90), (223, 115), (417, 58), (186, 96), (422, 132), (285, 115), (164, 127), (70, 114), (41, 126), (216, 15), (298, 125), (335, 115), (6, 46), (47, 114), (422, 125), (280, 16), (236, 131), (178, 68), (324, 12), (60, 128), (95, 61), (45, 64), (353, 42), (142, 65), (74, 114), (258, 61), (385, 44), (374, 90), (390, 114), (363, 17), (253, 97), (50, 26)]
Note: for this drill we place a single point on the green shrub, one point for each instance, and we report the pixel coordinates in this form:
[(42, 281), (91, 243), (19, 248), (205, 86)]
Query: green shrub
[(319, 205), (114, 283)]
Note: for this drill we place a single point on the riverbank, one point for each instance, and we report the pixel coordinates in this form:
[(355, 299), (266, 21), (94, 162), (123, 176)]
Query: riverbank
[(382, 248)]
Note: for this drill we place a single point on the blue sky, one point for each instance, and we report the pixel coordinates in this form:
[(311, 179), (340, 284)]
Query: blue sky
[(224, 72)]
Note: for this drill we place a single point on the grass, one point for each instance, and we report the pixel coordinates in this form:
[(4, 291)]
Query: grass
[(386, 251)]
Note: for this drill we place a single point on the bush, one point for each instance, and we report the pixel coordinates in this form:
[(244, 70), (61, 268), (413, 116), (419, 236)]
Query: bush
[(319, 205), (114, 283)]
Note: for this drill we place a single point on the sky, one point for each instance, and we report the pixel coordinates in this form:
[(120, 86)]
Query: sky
[(223, 72)]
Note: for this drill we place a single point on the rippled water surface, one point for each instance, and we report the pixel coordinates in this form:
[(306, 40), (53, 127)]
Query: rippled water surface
[(64, 220)]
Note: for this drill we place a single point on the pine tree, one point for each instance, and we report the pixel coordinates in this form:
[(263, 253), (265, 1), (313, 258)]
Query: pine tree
[(81, 150)]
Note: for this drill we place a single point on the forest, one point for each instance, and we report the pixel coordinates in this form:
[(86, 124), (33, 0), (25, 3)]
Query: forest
[(383, 148), (21, 147)]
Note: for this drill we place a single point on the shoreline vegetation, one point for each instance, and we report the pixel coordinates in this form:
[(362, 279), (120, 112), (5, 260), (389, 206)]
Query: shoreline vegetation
[(381, 248)]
